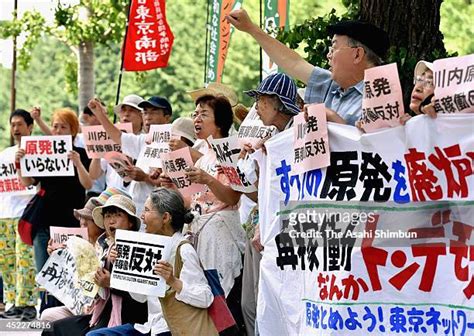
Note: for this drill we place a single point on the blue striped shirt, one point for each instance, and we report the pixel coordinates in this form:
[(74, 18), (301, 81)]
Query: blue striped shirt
[(322, 89)]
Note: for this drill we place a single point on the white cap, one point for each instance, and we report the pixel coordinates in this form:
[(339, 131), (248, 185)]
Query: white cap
[(130, 100), (421, 67)]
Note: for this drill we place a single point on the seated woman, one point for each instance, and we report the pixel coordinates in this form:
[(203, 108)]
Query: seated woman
[(84, 216), (181, 310), (112, 307)]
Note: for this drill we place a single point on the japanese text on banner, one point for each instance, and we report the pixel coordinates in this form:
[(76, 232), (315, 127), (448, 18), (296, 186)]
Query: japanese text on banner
[(46, 156)]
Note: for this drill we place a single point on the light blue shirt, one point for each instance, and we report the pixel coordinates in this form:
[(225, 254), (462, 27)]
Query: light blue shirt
[(322, 89)]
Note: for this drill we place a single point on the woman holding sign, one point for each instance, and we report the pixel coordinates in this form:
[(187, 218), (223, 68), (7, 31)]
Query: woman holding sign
[(59, 195), (221, 238), (183, 309)]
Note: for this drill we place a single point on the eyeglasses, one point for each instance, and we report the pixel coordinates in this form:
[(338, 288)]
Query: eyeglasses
[(331, 49), (427, 83)]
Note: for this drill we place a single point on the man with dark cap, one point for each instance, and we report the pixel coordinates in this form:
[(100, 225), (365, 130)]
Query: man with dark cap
[(356, 46), (156, 111)]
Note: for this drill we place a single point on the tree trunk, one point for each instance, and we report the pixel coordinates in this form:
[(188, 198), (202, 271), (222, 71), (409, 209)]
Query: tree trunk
[(85, 69), (412, 25)]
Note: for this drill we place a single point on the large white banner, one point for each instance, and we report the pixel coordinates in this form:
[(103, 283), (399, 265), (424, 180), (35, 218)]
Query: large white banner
[(403, 264)]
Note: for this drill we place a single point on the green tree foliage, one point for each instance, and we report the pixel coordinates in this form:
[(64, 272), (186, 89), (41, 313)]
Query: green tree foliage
[(457, 26), (50, 81)]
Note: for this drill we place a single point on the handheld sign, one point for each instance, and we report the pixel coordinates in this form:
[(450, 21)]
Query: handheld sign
[(137, 254), (311, 139), (46, 156), (382, 103)]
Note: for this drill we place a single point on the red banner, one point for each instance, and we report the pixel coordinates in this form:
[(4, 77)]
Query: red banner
[(149, 37)]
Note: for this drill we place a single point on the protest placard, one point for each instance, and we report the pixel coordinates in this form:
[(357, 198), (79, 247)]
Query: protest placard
[(57, 277), (46, 156), (311, 139), (159, 133), (175, 164), (10, 184), (137, 254), (252, 130), (119, 162), (227, 153), (60, 235), (454, 84), (157, 142), (382, 101), (98, 142)]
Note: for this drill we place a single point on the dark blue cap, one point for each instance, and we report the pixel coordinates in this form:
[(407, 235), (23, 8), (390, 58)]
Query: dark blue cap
[(157, 102)]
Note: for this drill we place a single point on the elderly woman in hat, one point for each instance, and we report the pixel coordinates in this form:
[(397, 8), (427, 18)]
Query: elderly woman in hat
[(112, 307), (182, 310), (84, 216), (423, 91)]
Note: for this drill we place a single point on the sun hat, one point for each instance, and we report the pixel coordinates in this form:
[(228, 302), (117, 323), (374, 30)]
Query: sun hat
[(279, 85), (422, 66), (130, 100), (184, 127), (120, 201), (215, 89), (157, 102), (86, 212)]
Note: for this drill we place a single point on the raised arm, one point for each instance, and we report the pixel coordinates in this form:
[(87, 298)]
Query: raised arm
[(287, 59), (101, 113), (36, 115), (83, 174)]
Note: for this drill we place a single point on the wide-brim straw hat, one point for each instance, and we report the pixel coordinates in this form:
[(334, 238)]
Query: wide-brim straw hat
[(119, 201), (216, 89)]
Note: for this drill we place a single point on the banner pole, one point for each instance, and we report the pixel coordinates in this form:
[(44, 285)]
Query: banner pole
[(117, 97), (207, 41)]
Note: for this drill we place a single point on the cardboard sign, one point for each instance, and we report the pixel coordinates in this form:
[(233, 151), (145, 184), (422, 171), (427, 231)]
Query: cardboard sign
[(227, 152), (119, 162), (252, 130), (311, 139), (382, 103), (137, 254), (157, 142), (57, 277), (97, 141), (174, 165), (454, 84), (46, 156), (60, 235)]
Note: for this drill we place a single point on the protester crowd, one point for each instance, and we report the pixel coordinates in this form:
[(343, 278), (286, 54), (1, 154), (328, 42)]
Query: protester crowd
[(217, 228)]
